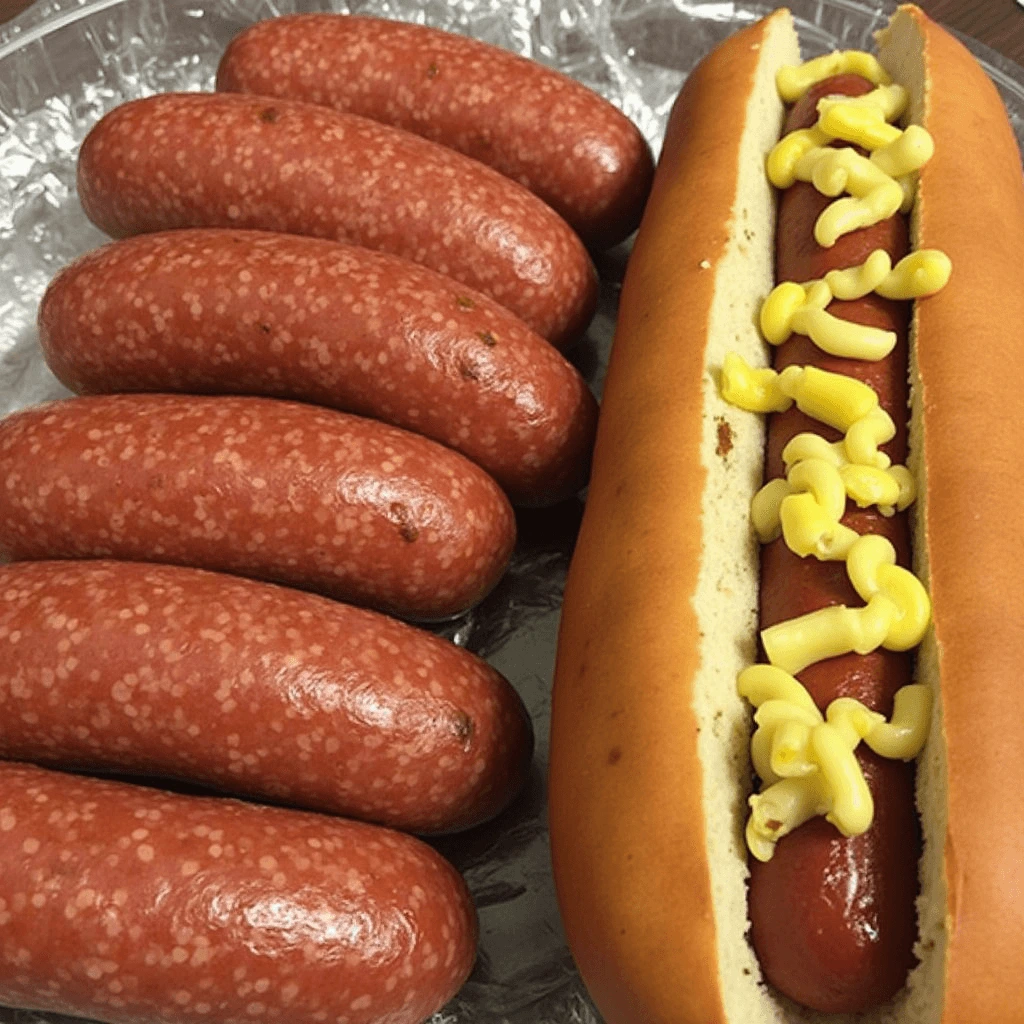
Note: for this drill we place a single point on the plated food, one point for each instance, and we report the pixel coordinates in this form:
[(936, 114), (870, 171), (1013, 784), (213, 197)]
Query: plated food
[(724, 437), (676, 620)]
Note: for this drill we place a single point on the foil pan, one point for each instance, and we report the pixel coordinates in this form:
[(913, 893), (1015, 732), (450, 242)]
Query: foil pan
[(64, 64)]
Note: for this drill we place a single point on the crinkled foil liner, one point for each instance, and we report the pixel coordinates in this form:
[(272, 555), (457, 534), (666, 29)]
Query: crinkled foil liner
[(64, 64)]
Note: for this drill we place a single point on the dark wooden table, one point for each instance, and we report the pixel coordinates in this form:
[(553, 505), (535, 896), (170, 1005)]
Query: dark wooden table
[(997, 23)]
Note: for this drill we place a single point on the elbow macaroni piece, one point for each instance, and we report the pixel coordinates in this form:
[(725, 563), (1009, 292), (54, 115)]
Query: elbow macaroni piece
[(895, 616), (793, 81), (802, 309), (806, 506), (805, 760), (791, 308), (879, 184)]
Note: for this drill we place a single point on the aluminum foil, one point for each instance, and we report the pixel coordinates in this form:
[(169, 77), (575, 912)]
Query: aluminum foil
[(64, 64)]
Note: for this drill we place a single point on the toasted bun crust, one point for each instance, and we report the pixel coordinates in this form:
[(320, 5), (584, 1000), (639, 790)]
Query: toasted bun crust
[(627, 804), (649, 766), (969, 439)]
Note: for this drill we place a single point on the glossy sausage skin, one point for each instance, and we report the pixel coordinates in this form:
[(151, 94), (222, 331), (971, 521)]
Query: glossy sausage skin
[(181, 160), (833, 919), (565, 143), (290, 493), (210, 311), (122, 903), (253, 689)]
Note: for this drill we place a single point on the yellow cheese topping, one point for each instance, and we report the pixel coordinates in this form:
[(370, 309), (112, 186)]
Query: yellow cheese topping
[(756, 390), (792, 308), (919, 274), (878, 184), (895, 616), (860, 124), (891, 488), (802, 309), (806, 761), (805, 507), (890, 100), (793, 81), (874, 195), (845, 403), (832, 398)]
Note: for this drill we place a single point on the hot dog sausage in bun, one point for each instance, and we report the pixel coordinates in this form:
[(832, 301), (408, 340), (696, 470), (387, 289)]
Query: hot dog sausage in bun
[(783, 755)]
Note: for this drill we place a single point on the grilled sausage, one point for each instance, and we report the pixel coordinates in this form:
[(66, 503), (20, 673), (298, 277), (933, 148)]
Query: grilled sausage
[(833, 919), (201, 160), (575, 150), (276, 490), (219, 311), (253, 689), (122, 903)]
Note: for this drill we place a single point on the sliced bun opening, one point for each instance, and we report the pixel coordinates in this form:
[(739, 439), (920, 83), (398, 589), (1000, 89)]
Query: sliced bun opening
[(726, 600)]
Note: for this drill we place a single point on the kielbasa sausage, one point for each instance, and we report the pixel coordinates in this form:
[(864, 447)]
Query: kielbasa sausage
[(209, 311), (833, 919), (122, 903), (253, 689), (576, 151), (276, 490), (179, 160)]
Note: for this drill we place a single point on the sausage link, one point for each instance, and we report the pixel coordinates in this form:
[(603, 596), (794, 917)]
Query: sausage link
[(122, 903), (565, 143), (212, 311), (253, 689), (182, 160), (833, 919), (290, 493)]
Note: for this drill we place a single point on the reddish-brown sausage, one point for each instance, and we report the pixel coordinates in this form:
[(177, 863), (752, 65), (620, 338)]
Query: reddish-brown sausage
[(253, 689), (182, 160), (833, 919), (575, 150), (276, 490), (123, 904), (219, 311)]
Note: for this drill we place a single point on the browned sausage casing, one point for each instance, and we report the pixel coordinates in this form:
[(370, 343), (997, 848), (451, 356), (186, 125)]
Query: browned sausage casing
[(276, 490), (253, 689), (833, 919), (181, 160), (123, 904), (219, 311), (575, 150)]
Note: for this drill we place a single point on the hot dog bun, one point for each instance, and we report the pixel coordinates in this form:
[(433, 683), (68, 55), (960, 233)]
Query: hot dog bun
[(649, 766)]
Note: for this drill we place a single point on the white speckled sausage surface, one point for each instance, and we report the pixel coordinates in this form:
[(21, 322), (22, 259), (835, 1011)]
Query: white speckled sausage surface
[(254, 689), (215, 310), (127, 904), (575, 150), (203, 160), (276, 490)]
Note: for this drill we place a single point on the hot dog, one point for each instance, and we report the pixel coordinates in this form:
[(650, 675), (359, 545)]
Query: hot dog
[(275, 490), (227, 160), (651, 761), (847, 943), (256, 690), (565, 143), (122, 903), (219, 311)]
